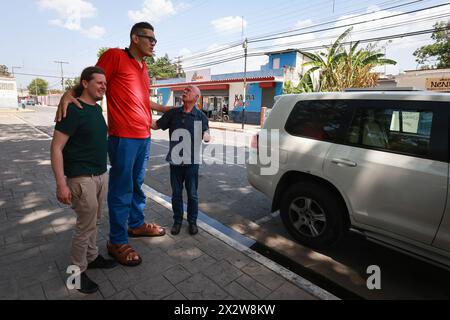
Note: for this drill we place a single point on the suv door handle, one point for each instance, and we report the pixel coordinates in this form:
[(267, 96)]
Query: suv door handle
[(344, 162)]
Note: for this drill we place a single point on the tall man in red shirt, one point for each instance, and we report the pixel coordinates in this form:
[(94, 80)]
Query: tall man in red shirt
[(129, 124)]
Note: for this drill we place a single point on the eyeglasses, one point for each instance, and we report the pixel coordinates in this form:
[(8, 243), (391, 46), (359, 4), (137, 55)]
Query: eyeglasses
[(149, 38)]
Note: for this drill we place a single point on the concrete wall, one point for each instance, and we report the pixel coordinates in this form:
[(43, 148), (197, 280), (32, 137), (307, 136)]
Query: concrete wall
[(418, 78), (8, 93)]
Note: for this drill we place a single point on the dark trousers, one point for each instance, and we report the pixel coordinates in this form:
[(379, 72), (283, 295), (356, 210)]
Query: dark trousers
[(187, 175)]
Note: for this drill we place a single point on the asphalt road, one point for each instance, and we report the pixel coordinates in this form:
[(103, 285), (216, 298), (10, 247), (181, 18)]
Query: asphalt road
[(226, 196)]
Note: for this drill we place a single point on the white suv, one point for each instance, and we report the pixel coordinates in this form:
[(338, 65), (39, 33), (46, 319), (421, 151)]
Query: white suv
[(374, 161)]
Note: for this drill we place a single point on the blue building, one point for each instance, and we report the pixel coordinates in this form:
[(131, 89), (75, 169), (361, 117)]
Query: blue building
[(224, 92)]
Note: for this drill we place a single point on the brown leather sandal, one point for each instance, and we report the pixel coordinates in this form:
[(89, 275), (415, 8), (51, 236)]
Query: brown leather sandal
[(147, 230), (121, 252)]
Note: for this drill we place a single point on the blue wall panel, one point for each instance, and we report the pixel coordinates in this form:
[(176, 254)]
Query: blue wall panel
[(286, 59), (165, 94)]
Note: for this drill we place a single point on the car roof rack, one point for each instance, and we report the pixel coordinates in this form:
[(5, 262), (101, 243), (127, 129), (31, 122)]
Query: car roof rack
[(382, 89)]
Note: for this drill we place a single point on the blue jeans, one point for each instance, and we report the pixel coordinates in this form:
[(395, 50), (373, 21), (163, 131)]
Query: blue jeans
[(187, 175), (126, 200)]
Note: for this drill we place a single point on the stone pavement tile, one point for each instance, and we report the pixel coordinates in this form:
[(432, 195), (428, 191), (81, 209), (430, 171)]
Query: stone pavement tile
[(288, 291), (16, 247), (253, 286), (151, 265), (216, 249), (238, 259), (34, 274), (19, 256), (164, 243), (222, 273), (184, 254), (34, 292), (123, 295), (106, 289), (97, 275), (55, 289), (176, 274), (62, 261), (77, 295), (263, 275), (175, 296), (9, 289), (120, 279), (239, 292), (54, 248), (198, 264), (199, 287), (155, 288), (13, 238)]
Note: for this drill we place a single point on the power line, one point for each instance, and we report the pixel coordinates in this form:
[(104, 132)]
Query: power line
[(348, 25), (370, 29), (255, 54), (261, 39), (239, 43)]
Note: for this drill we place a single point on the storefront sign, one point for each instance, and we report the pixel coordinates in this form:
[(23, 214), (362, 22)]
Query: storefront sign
[(436, 84), (198, 76)]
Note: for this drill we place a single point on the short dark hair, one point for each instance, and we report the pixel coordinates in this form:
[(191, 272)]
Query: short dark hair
[(88, 75), (138, 27)]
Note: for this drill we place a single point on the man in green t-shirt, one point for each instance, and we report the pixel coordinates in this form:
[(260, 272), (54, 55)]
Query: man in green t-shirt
[(78, 153)]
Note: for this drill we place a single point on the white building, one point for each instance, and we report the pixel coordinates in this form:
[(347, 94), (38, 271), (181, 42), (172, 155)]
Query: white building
[(8, 92), (432, 80)]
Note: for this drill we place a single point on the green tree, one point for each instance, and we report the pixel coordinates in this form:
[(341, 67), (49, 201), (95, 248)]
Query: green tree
[(71, 83), (439, 51), (4, 70), (38, 86), (101, 51), (340, 69), (162, 68)]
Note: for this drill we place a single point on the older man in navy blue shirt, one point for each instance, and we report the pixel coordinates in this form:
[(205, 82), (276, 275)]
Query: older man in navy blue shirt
[(188, 126)]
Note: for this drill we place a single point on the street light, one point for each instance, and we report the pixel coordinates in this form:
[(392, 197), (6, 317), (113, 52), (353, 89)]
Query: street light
[(244, 45)]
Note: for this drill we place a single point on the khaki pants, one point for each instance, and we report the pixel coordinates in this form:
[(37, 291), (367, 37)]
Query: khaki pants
[(88, 198)]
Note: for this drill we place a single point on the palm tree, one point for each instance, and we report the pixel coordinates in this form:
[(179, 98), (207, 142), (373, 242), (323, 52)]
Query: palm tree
[(339, 69)]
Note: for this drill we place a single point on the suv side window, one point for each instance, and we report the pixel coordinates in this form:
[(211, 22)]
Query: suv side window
[(395, 129), (319, 119)]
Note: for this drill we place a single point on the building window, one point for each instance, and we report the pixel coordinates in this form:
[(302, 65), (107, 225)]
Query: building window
[(276, 64)]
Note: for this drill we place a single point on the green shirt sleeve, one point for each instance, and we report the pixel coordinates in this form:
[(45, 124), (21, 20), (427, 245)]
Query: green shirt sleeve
[(69, 124)]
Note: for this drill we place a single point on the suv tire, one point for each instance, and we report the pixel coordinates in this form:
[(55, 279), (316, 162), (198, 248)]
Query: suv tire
[(313, 215)]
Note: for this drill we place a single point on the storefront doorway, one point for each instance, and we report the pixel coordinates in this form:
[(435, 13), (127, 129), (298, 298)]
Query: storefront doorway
[(216, 107)]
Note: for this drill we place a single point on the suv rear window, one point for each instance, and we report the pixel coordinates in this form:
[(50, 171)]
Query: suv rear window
[(319, 119)]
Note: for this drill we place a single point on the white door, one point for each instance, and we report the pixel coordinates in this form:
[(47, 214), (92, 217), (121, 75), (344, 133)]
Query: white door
[(387, 172)]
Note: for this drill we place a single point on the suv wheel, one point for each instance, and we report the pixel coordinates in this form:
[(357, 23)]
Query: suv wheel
[(313, 215)]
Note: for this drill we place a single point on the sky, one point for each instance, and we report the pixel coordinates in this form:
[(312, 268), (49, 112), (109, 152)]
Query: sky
[(36, 33)]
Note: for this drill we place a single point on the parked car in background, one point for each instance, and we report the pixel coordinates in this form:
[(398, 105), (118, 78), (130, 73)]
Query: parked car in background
[(377, 162)]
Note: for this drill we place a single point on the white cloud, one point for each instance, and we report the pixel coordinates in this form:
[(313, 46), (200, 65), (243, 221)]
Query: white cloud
[(184, 52), (303, 23), (70, 15), (229, 24), (153, 11), (94, 32)]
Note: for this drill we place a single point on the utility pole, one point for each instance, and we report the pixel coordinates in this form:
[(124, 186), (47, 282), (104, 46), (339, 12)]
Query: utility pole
[(14, 67), (244, 45), (62, 73)]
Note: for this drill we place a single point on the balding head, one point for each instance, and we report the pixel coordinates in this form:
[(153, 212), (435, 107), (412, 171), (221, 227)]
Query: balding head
[(191, 95)]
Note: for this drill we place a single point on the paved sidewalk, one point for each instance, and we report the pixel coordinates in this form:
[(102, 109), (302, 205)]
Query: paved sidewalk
[(36, 231), (230, 126)]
